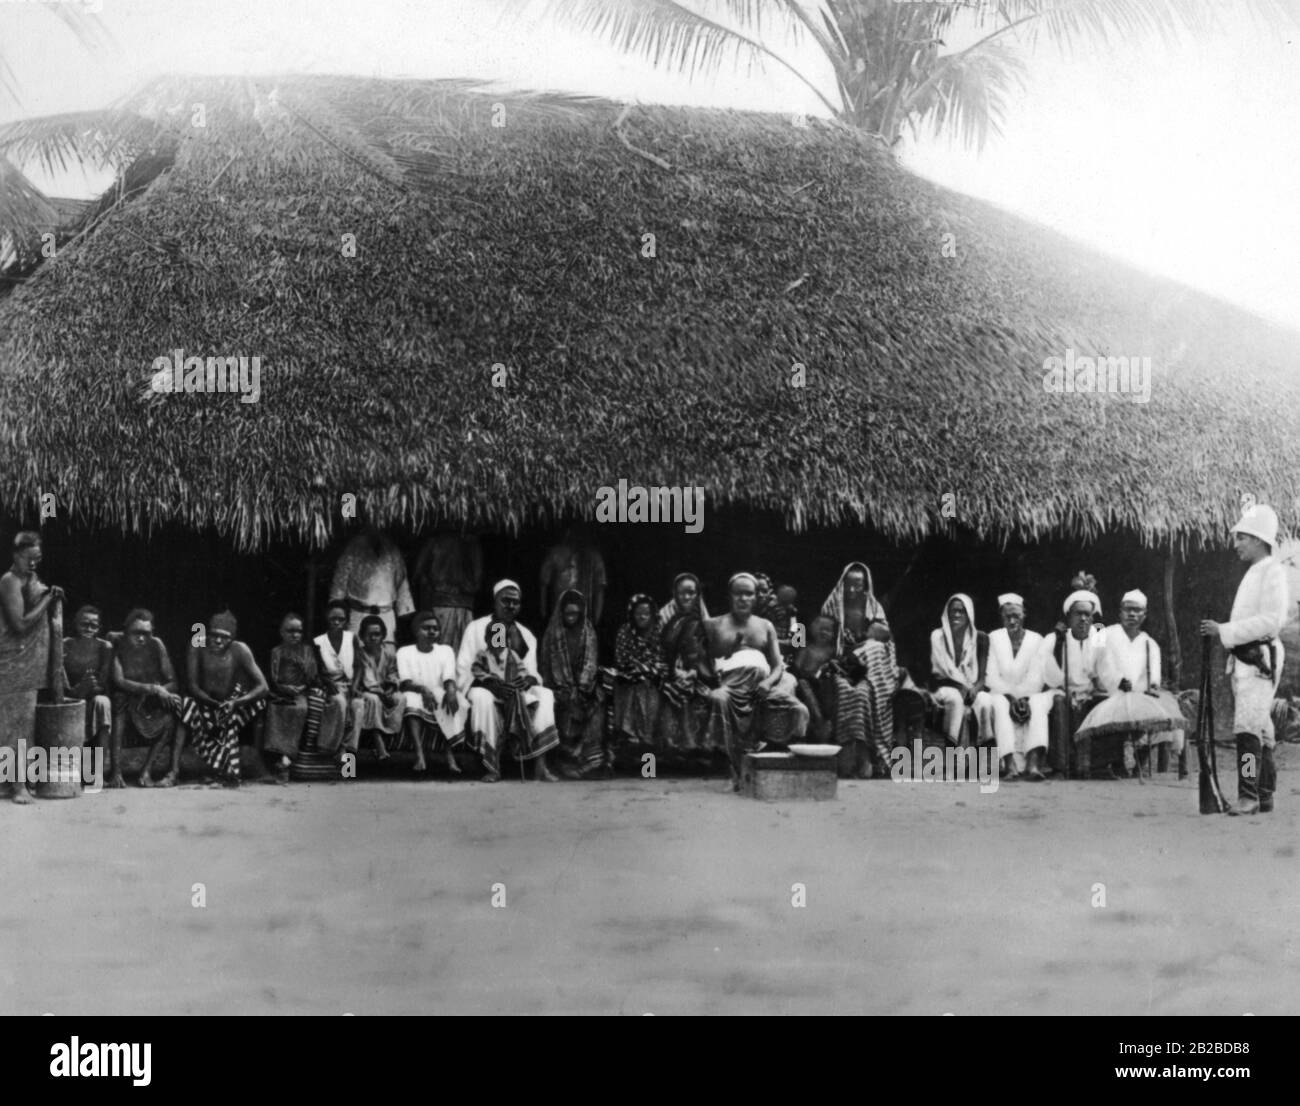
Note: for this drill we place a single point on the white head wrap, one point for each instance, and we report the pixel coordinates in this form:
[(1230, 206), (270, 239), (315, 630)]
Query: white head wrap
[(1082, 596), (968, 662), (1010, 598)]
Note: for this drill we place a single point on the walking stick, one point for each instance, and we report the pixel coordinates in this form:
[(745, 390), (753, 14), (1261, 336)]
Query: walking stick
[(1212, 800), (1069, 703), (1182, 753)]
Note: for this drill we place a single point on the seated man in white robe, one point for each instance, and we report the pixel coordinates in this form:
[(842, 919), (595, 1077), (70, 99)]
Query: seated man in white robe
[(959, 656), (435, 711), (1128, 660), (1020, 703), (505, 695), (1072, 652)]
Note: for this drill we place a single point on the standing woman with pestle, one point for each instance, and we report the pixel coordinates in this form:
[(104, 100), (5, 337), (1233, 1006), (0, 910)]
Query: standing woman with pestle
[(24, 655)]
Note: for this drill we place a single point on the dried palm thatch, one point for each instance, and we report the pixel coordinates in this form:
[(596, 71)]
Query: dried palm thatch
[(521, 245)]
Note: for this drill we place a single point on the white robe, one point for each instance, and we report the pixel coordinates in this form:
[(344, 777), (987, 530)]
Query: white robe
[(1019, 675), (338, 665), (1121, 658), (484, 717), (432, 670), (953, 702), (1259, 611), (373, 580), (1137, 660), (1081, 658)]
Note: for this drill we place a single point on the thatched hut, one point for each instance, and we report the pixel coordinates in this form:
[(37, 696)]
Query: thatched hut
[(827, 344)]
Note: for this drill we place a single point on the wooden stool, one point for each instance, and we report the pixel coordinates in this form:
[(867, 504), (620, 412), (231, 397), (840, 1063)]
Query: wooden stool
[(787, 776)]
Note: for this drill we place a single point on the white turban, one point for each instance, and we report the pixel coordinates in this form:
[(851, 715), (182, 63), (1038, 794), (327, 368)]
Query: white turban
[(1135, 597), (743, 576), (1082, 596), (1010, 599), (501, 586)]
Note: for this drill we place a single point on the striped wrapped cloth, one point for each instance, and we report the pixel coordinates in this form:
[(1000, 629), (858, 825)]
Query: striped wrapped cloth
[(215, 730), (864, 710), (311, 727)]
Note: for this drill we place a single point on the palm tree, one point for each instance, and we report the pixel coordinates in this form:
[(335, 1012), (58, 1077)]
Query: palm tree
[(109, 139), (887, 64)]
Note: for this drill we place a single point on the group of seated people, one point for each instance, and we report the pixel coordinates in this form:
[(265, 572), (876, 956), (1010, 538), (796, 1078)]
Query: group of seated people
[(682, 683), (1085, 681)]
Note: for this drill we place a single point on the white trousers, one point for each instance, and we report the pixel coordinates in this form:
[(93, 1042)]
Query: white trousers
[(1252, 703), (954, 713), (1021, 739), (485, 719)]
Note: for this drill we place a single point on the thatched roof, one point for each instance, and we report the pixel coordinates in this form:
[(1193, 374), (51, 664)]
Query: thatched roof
[(521, 244)]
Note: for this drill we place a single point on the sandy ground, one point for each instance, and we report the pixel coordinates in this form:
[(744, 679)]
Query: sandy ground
[(665, 896)]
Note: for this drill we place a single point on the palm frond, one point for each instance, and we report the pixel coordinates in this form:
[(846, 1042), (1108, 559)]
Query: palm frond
[(1069, 23), (109, 139), (25, 214), (884, 54), (685, 40), (969, 95)]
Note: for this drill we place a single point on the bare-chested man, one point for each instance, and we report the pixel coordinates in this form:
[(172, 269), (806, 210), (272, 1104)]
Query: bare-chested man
[(227, 690), (746, 658), (144, 697), (88, 672)]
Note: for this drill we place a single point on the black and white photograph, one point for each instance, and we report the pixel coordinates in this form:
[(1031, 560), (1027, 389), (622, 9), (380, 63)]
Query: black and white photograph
[(651, 508)]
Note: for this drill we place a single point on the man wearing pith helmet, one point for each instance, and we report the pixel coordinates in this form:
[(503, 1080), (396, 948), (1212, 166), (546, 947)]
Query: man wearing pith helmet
[(1252, 638)]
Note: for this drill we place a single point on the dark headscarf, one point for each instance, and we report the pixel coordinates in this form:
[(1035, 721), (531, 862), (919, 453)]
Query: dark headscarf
[(669, 610), (557, 664)]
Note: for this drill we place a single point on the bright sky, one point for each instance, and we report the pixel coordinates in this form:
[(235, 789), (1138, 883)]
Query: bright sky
[(1181, 159)]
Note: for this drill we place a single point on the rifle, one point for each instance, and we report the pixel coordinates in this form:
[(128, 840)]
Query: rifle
[(1182, 759), (1212, 800)]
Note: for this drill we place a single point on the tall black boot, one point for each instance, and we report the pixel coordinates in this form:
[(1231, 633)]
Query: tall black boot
[(1267, 780), (1249, 762)]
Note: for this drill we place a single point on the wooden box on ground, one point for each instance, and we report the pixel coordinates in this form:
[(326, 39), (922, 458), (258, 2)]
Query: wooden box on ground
[(787, 776)]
